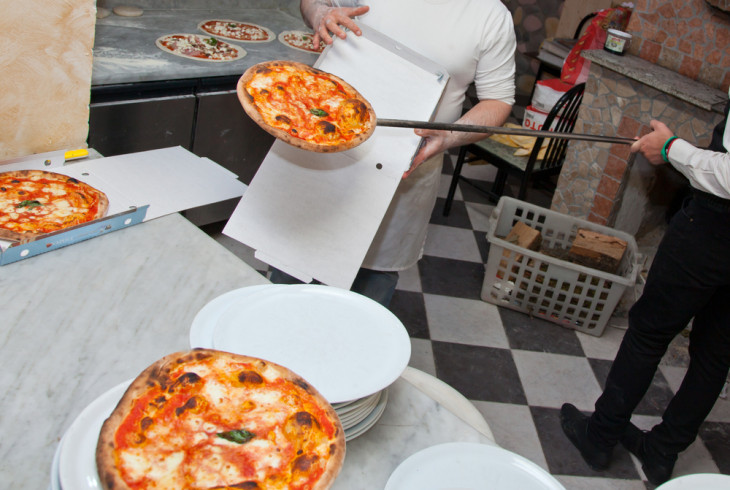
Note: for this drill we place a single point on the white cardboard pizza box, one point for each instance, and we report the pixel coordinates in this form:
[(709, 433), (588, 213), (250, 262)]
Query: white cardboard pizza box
[(314, 215), (161, 182)]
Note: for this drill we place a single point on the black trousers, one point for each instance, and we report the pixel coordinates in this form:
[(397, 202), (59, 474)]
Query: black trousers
[(689, 278)]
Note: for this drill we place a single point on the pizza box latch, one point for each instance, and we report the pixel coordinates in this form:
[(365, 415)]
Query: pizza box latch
[(74, 234)]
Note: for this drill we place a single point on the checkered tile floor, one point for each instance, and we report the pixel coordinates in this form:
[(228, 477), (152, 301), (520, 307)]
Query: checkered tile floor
[(517, 370)]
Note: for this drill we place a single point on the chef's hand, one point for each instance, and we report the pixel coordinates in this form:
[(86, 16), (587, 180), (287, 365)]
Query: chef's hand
[(433, 142), (327, 20), (650, 145)]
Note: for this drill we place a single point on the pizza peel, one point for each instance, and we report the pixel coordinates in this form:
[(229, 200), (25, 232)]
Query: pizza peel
[(470, 128)]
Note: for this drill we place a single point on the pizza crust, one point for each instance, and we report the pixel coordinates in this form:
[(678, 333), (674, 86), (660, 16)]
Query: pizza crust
[(158, 374), (240, 52), (252, 110), (16, 236), (270, 34)]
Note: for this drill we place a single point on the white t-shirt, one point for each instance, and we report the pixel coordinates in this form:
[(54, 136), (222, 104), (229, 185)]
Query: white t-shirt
[(475, 41)]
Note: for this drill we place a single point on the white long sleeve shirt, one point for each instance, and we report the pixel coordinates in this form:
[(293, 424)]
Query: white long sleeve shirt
[(707, 170)]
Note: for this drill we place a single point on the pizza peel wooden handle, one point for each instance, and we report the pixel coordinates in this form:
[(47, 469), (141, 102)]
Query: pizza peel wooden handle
[(469, 128)]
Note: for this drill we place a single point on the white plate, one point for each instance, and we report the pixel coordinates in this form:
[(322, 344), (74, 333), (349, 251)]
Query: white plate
[(469, 466), (55, 478), (201, 331), (353, 418), (77, 463), (699, 481), (344, 409), (346, 345), (369, 421)]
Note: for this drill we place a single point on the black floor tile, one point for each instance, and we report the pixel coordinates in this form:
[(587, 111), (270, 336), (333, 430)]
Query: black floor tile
[(483, 244), (410, 309), (479, 373), (655, 400), (564, 459), (716, 436), (449, 277), (472, 194), (537, 335), (458, 217)]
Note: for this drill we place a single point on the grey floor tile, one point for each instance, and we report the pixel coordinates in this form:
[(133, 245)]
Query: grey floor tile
[(422, 356), (410, 309), (452, 243), (464, 321), (549, 380)]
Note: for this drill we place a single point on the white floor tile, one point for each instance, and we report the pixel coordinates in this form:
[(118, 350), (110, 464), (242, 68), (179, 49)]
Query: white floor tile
[(479, 215), (452, 243), (409, 280), (464, 321), (444, 184), (513, 429), (603, 347), (549, 380)]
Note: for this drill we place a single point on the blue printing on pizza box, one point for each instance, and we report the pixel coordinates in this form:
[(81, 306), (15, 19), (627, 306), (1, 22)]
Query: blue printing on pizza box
[(75, 234)]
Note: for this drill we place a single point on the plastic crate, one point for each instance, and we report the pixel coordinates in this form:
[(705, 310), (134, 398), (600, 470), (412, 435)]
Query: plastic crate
[(546, 287)]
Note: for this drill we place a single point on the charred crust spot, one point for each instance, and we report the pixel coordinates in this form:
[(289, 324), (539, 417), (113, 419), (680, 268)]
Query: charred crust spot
[(299, 452), (303, 385), (250, 377), (189, 405), (21, 193), (304, 462), (3, 189), (294, 131), (244, 485), (264, 91), (283, 118), (15, 181), (145, 423), (183, 380), (72, 180), (333, 449), (304, 419), (279, 87), (327, 127)]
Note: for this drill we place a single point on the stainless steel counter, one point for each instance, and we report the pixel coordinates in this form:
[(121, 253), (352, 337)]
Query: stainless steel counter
[(125, 50)]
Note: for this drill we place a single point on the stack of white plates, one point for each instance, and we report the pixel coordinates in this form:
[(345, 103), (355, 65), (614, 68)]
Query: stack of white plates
[(347, 346)]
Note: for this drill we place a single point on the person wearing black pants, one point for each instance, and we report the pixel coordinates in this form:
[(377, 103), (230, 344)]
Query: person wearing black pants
[(689, 279)]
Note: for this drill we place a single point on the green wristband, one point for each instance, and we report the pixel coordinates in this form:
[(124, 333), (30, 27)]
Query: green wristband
[(666, 147)]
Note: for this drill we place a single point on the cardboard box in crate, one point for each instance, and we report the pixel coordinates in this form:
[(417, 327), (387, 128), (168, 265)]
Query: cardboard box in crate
[(547, 287)]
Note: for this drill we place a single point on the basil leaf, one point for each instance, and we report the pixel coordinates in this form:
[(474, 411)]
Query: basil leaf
[(29, 204), (212, 41), (319, 112), (238, 436)]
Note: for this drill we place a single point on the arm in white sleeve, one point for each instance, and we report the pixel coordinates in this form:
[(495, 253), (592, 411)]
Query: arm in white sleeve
[(707, 170)]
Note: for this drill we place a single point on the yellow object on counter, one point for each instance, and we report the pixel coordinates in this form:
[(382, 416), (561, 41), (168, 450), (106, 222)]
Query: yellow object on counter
[(74, 154), (523, 144)]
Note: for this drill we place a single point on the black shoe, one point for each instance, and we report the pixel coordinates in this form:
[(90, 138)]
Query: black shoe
[(575, 426), (658, 469)]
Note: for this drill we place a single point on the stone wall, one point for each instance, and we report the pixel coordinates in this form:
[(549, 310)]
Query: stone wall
[(686, 36)]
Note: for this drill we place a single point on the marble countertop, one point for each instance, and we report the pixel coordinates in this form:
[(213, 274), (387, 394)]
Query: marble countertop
[(661, 78), (79, 320), (125, 50)]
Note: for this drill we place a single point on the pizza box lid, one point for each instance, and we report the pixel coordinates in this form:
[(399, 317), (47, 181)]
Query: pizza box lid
[(140, 187), (314, 215)]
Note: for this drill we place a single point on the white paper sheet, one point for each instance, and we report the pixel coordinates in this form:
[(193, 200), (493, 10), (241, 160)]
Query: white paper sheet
[(314, 215)]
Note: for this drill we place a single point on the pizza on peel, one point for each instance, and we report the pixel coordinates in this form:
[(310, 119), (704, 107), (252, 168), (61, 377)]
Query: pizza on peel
[(306, 107), (208, 419), (35, 202)]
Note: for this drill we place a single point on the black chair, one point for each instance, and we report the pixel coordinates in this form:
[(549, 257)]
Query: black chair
[(561, 118)]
